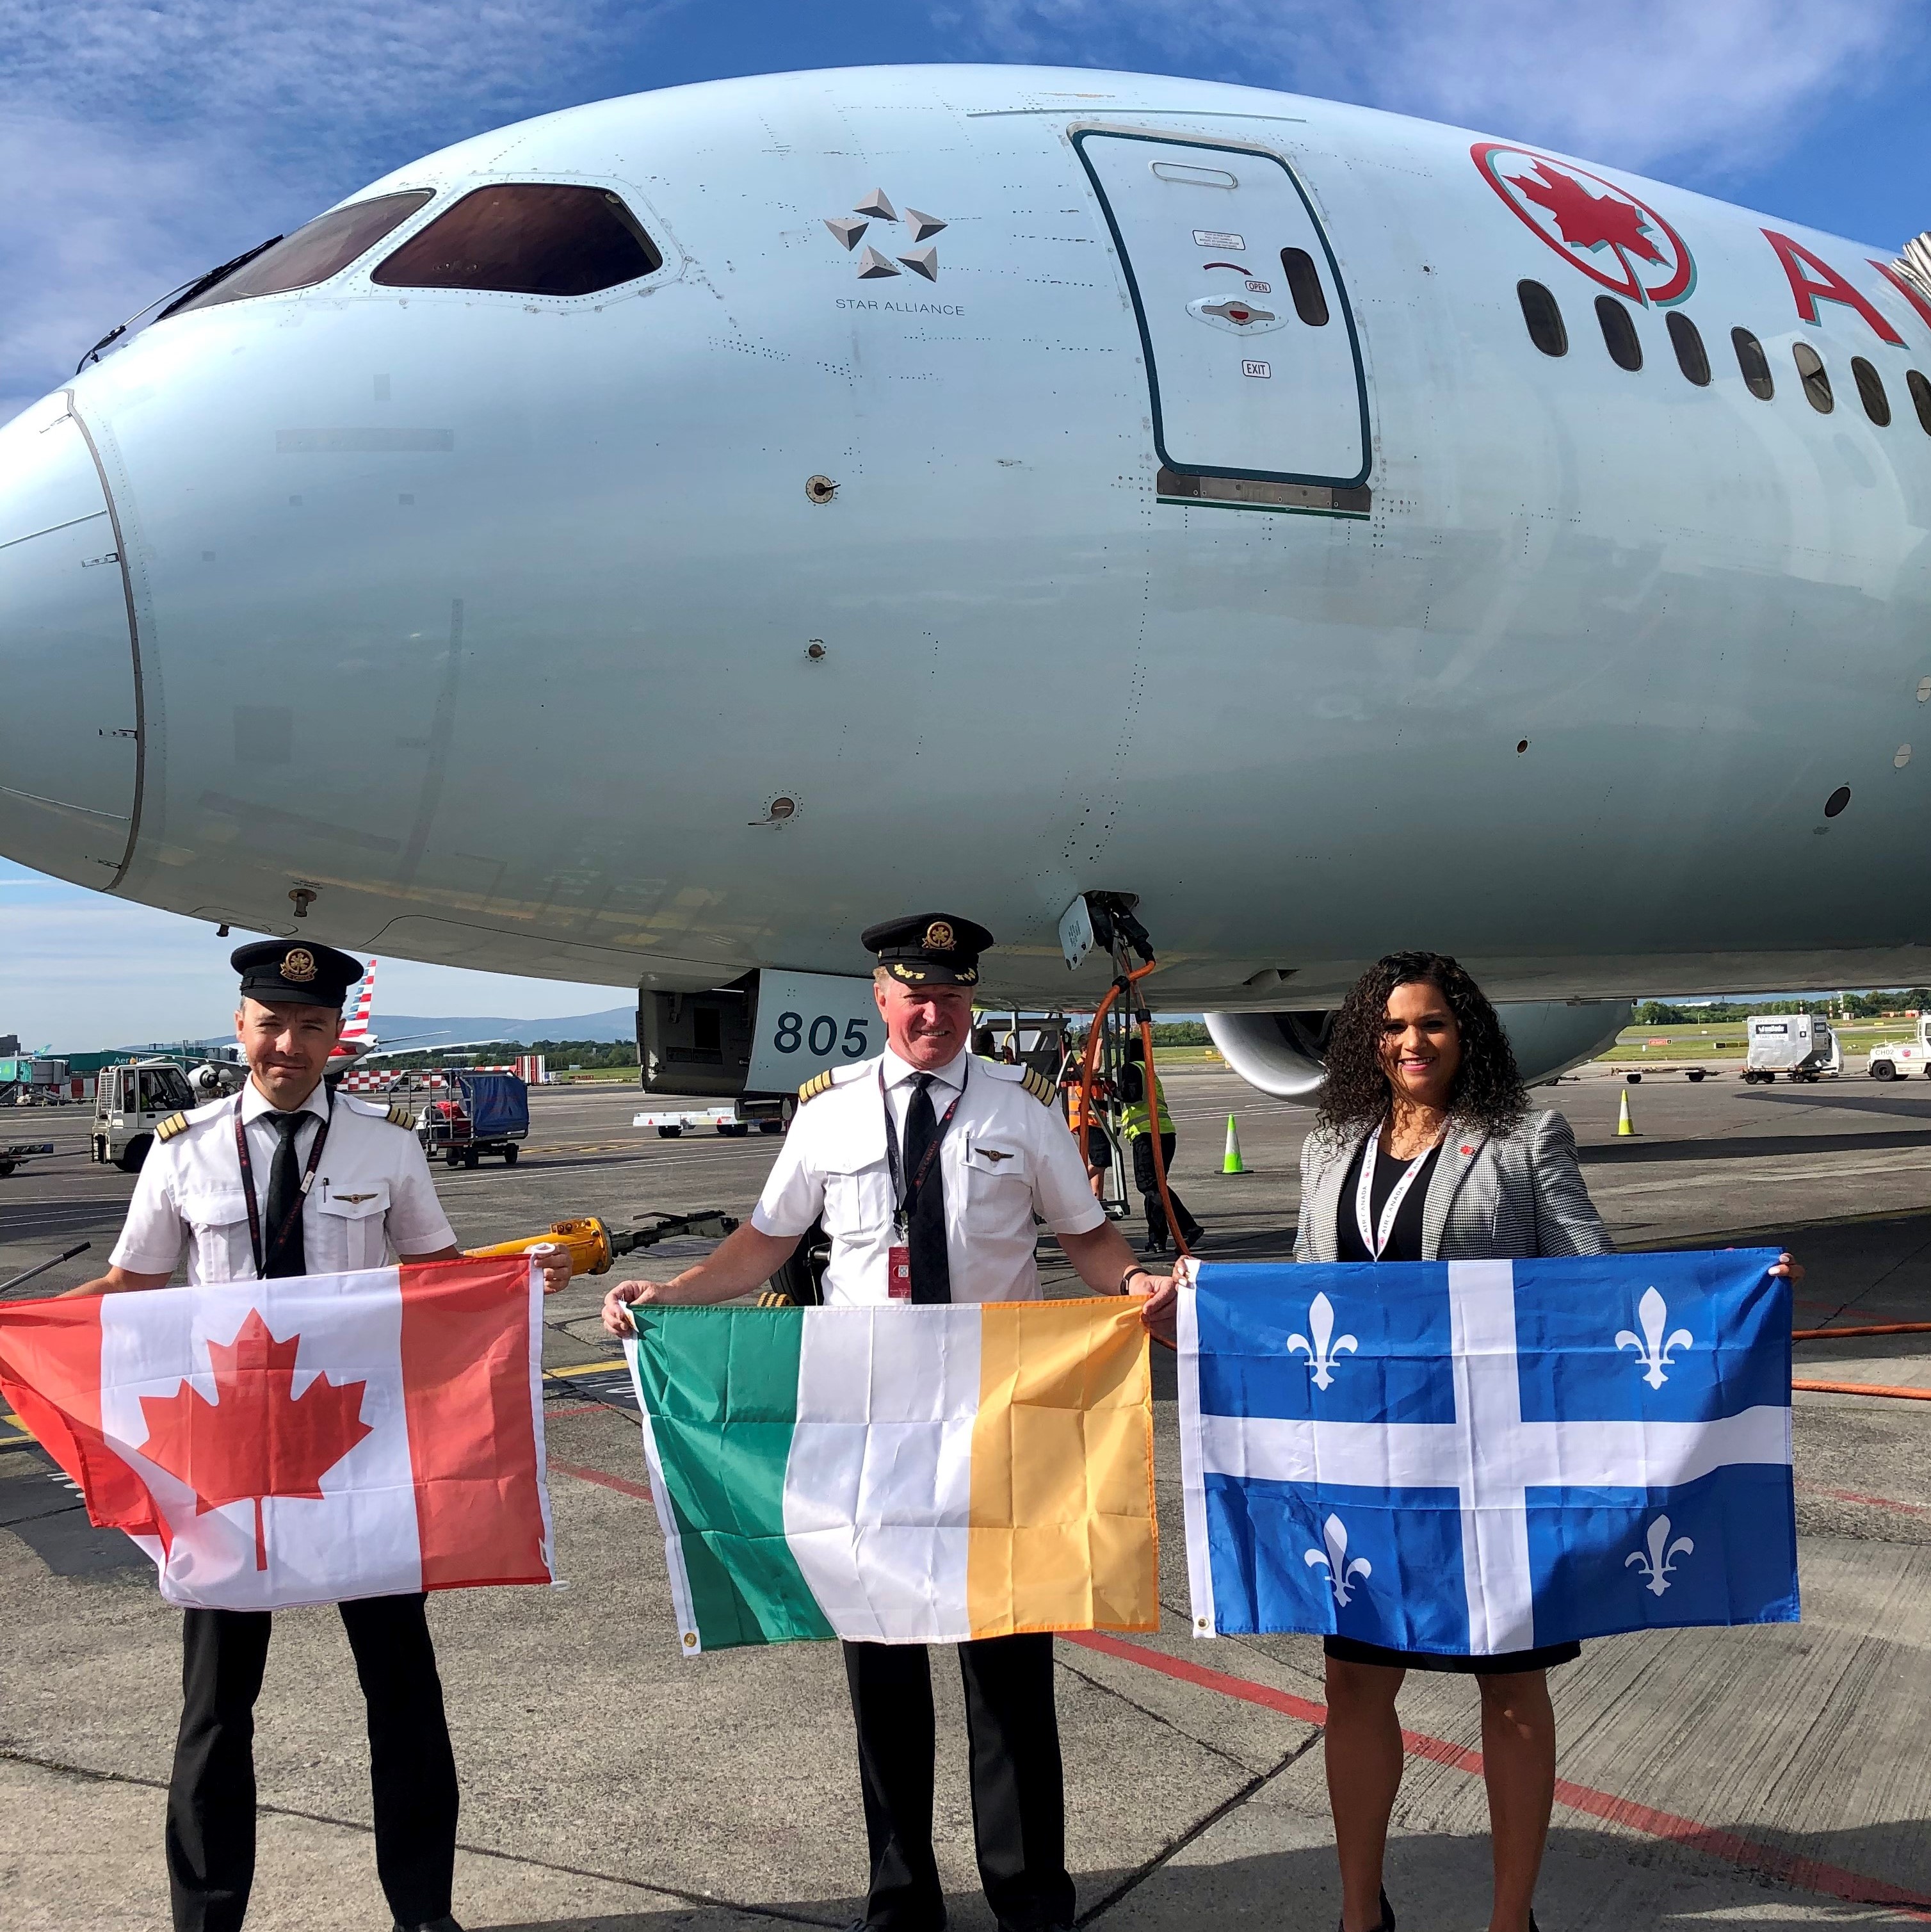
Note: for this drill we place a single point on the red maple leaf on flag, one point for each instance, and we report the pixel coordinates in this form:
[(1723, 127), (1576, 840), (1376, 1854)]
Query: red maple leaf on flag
[(1586, 220), (257, 1439)]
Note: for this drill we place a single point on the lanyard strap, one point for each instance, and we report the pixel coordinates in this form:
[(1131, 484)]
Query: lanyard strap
[(902, 1195), (262, 1258), (1374, 1234)]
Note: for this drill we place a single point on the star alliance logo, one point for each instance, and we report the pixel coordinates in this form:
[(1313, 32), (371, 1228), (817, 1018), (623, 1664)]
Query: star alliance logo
[(874, 266)]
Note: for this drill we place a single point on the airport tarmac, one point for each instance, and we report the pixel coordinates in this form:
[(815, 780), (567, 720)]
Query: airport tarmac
[(1771, 1777)]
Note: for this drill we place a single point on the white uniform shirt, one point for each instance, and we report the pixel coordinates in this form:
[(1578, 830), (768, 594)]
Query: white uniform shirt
[(372, 1199), (1004, 1156)]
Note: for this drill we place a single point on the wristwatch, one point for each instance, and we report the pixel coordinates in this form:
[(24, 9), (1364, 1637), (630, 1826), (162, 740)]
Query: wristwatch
[(1128, 1276)]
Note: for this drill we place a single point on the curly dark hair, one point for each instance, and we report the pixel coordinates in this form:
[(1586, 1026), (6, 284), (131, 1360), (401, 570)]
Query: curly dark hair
[(1488, 1092)]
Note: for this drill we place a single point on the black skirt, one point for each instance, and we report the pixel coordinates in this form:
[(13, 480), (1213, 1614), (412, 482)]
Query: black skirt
[(1350, 1650)]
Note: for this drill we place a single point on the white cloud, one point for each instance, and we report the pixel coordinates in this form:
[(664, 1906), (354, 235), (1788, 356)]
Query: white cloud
[(1637, 82)]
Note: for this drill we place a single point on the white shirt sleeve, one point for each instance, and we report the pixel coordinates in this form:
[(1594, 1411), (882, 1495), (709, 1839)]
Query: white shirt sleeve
[(151, 1236), (417, 1225), (1061, 1191), (794, 1194)]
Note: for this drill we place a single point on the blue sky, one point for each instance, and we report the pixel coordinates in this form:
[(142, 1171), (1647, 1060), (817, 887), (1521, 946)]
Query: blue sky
[(143, 143)]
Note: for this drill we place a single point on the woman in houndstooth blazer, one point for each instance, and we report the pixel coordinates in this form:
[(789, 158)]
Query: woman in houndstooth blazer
[(1427, 1151)]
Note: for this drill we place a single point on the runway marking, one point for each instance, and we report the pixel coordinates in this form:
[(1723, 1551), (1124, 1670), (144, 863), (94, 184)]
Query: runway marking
[(1871, 1502), (1807, 1874), (623, 1485)]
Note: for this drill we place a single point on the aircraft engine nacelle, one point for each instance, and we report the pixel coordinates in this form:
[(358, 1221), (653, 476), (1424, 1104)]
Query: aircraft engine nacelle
[(1285, 1054)]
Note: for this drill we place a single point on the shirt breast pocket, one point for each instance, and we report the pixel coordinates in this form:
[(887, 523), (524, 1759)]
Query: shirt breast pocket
[(999, 1172), (858, 1196), (353, 1224), (217, 1224)]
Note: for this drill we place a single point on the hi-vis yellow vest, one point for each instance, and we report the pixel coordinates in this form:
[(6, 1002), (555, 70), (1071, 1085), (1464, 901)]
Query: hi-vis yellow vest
[(1136, 1120)]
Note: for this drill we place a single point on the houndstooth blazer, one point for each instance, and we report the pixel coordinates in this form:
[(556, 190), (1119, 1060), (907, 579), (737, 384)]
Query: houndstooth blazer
[(1499, 1198)]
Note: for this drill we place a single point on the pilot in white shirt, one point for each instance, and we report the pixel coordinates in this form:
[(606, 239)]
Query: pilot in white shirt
[(928, 1167), (371, 1199), (281, 1181), (1006, 1155)]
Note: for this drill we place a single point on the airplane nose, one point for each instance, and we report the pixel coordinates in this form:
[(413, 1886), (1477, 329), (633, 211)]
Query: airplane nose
[(69, 748)]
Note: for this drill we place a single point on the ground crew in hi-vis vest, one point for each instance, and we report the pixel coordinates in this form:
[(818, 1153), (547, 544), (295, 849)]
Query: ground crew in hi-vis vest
[(1136, 1082), (283, 1179), (928, 1167)]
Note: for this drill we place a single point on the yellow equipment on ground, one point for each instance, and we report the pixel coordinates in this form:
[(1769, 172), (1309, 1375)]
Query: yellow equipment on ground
[(594, 1244)]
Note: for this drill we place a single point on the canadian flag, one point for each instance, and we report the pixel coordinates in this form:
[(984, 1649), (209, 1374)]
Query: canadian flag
[(303, 1440)]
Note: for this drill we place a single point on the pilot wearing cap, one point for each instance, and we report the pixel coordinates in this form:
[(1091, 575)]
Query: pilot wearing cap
[(927, 1167), (283, 1179)]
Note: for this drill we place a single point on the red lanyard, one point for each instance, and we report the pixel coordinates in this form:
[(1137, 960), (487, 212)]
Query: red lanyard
[(262, 1259), (901, 1195)]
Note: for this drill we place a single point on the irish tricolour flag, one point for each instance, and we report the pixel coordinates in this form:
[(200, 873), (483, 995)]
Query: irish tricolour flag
[(901, 1474), (302, 1441)]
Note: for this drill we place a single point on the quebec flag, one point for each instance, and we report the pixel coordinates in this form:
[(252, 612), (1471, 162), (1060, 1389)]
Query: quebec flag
[(1482, 1456)]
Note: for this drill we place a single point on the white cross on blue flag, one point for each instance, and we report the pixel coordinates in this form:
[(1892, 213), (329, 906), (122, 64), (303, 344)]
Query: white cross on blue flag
[(1483, 1456)]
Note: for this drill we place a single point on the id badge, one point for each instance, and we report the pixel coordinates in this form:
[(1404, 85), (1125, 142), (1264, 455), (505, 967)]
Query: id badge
[(898, 1273)]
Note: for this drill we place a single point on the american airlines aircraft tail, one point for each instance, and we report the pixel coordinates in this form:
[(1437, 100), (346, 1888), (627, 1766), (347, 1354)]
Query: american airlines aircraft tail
[(753, 508)]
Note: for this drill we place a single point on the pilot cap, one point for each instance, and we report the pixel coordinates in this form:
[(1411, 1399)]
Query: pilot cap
[(931, 948), (274, 971)]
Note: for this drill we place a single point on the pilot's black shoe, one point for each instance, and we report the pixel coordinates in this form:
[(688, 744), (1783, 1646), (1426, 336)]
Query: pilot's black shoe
[(445, 1924)]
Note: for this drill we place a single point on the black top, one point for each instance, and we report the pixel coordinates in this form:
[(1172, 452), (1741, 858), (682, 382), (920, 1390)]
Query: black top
[(1405, 1238)]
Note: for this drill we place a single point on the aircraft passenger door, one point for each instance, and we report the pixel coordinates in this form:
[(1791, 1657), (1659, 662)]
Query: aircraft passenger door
[(1253, 364)]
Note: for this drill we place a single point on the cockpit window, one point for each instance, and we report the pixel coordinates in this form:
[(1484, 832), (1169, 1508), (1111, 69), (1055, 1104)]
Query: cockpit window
[(526, 238), (323, 247)]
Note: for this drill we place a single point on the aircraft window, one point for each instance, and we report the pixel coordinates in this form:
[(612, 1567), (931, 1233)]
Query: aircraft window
[(1754, 363), (1870, 392), (325, 247), (1920, 396), (528, 239), (1543, 314), (1691, 357), (1619, 333), (1816, 378), (1304, 285)]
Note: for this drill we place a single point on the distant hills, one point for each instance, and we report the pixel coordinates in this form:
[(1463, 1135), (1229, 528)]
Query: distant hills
[(398, 1029)]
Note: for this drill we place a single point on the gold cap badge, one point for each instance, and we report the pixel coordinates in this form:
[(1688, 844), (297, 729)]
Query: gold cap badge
[(298, 965), (939, 936)]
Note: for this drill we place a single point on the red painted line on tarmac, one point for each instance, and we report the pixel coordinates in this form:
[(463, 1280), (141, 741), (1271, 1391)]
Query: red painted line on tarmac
[(1864, 1388), (623, 1485), (1873, 1502), (1878, 1328), (1807, 1874)]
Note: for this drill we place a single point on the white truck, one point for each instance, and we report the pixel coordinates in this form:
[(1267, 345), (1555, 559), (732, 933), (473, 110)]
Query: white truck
[(128, 1101), (1801, 1046), (1899, 1059)]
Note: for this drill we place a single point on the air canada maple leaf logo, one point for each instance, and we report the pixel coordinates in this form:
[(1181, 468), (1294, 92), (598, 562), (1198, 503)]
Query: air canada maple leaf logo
[(258, 1438), (1610, 234)]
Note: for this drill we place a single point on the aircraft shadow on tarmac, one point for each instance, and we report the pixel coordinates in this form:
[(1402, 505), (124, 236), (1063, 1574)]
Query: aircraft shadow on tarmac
[(1587, 1885)]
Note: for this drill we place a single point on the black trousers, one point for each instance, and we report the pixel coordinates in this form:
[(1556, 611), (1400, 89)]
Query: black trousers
[(1148, 1183), (1019, 1798), (211, 1826)]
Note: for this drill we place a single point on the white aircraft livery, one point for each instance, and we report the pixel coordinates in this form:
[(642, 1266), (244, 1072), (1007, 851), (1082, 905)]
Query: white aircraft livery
[(752, 510)]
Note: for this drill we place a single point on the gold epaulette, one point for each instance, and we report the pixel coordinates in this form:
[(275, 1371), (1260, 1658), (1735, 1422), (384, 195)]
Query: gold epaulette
[(401, 1115), (167, 1130), (1039, 1086), (813, 1087)]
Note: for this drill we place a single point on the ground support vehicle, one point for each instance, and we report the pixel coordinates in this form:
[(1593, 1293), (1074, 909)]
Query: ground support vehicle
[(1801, 1046), (1897, 1060), (14, 1153), (129, 1100), (484, 1113), (670, 1125), (1634, 1077)]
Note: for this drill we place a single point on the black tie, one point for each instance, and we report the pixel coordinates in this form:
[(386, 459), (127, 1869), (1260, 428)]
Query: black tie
[(932, 1271), (284, 1199)]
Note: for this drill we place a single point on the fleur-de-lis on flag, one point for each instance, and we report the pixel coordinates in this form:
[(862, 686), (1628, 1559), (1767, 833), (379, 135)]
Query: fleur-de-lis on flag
[(1341, 1573), (1652, 1350), (1321, 1358), (1662, 1555)]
